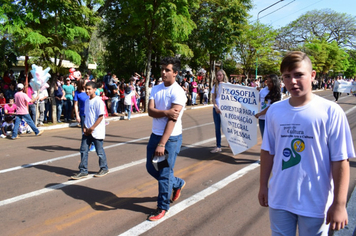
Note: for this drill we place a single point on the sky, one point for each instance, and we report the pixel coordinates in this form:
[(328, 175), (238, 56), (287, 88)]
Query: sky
[(286, 11)]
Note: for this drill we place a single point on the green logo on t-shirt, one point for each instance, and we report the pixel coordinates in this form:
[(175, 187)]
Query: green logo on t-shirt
[(297, 146)]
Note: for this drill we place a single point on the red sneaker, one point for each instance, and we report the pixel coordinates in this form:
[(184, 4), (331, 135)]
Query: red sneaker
[(157, 215), (176, 193)]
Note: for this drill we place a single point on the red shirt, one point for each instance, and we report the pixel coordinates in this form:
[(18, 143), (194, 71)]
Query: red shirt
[(2, 102)]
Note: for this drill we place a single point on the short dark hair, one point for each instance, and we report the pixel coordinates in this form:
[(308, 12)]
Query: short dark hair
[(91, 84), (175, 61), (292, 60)]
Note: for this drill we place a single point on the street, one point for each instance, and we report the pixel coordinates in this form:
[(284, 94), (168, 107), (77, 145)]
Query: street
[(37, 196)]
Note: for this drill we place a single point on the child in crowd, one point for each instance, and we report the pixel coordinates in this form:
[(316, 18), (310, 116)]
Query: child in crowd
[(128, 101), (10, 109), (94, 132), (7, 127), (304, 156), (24, 128), (206, 93)]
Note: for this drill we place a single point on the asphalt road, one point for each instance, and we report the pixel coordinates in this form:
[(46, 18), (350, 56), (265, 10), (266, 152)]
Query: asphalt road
[(37, 196)]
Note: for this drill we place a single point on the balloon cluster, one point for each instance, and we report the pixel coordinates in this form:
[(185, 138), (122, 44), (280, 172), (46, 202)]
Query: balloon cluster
[(71, 73), (40, 78)]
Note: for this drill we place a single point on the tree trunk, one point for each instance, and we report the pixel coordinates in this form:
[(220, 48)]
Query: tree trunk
[(148, 76), (53, 100), (212, 75)]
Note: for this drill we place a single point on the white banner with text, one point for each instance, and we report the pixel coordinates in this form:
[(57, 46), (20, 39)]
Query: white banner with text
[(346, 87), (238, 105)]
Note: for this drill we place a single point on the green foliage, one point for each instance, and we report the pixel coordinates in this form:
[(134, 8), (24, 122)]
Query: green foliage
[(7, 55), (134, 36), (230, 67), (257, 41), (326, 56), (49, 29), (351, 70), (219, 24)]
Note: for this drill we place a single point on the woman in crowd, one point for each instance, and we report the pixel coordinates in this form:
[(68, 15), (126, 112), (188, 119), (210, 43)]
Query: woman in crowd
[(68, 99), (194, 91), (133, 88), (220, 78), (268, 95)]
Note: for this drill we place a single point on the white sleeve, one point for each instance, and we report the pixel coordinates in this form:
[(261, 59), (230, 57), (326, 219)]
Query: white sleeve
[(268, 141)]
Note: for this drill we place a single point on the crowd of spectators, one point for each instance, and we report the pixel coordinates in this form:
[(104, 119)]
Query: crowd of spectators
[(121, 96)]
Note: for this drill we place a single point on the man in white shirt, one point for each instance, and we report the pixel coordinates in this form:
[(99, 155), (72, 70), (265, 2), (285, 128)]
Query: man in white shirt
[(166, 104)]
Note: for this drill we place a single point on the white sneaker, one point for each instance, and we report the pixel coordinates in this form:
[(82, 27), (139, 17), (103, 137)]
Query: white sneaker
[(216, 150)]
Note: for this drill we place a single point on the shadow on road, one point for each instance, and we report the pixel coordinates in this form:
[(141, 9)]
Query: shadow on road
[(59, 170), (101, 200), (203, 153), (54, 148)]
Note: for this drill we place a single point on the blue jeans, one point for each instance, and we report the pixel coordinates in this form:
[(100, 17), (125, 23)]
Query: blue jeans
[(166, 179), (217, 123), (121, 105), (59, 105), (128, 110), (48, 110), (32, 109), (114, 104), (285, 223), (194, 98), (84, 149), (261, 123), (28, 120), (68, 104)]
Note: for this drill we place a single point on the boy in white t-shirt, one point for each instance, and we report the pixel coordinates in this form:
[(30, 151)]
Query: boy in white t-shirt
[(306, 146), (93, 132), (166, 105)]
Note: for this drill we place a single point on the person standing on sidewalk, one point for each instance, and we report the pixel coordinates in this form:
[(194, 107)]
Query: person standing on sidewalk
[(305, 155), (166, 105), (21, 101), (93, 132)]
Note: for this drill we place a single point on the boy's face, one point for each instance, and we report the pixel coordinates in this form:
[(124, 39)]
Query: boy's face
[(168, 75), (298, 81), (90, 91)]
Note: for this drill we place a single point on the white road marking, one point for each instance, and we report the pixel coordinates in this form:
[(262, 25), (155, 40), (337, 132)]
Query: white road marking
[(77, 154), (62, 185), (147, 225)]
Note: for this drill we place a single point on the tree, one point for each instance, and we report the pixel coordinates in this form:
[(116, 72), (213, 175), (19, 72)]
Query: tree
[(351, 70), (49, 29), (219, 24), (257, 41), (140, 29), (324, 24), (326, 56), (8, 54)]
